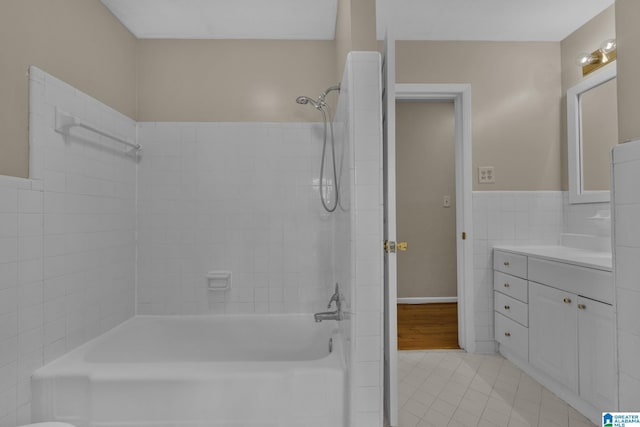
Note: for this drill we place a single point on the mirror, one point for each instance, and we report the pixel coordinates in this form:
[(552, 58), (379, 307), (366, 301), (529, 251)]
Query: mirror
[(592, 125)]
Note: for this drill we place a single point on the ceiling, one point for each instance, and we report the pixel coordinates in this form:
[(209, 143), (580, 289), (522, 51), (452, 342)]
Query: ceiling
[(499, 20), (228, 19)]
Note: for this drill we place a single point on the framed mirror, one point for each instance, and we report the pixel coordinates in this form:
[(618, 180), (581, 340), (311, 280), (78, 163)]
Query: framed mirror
[(592, 129)]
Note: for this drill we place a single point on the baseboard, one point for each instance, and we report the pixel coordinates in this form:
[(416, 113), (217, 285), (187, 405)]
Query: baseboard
[(426, 300)]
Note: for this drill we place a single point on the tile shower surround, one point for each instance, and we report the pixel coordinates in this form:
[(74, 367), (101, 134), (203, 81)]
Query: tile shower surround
[(244, 197), (84, 214), (67, 240), (241, 197)]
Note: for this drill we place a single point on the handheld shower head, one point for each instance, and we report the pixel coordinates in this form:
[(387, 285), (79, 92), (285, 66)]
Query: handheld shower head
[(306, 100)]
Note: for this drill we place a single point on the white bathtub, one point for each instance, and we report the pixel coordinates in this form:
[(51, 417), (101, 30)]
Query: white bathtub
[(266, 371)]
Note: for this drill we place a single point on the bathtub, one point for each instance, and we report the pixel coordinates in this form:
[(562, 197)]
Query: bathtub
[(214, 371)]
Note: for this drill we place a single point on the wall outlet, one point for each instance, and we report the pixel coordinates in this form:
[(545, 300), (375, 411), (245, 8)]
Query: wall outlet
[(486, 175), (446, 201)]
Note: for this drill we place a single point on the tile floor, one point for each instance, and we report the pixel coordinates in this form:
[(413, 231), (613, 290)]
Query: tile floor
[(457, 389)]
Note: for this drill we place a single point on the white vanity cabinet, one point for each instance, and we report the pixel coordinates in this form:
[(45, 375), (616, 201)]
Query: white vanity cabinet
[(597, 357), (565, 312), (553, 333), (510, 303)]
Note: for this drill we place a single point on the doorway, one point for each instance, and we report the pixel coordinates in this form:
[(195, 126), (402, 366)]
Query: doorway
[(426, 218), (460, 94)]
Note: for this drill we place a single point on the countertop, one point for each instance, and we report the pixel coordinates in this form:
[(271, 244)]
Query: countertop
[(565, 254)]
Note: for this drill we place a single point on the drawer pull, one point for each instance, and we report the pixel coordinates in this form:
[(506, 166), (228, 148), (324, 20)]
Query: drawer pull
[(506, 307), (567, 300), (507, 334), (506, 285), (582, 307), (506, 263)]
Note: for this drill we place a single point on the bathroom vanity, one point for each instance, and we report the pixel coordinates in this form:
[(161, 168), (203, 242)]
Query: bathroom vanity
[(555, 319)]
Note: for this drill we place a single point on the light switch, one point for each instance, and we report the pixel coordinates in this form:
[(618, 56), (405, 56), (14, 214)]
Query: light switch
[(446, 201)]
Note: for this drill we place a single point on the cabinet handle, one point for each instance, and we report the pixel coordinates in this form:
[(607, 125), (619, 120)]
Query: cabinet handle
[(506, 285), (567, 300), (506, 307), (582, 306), (506, 263), (507, 334)]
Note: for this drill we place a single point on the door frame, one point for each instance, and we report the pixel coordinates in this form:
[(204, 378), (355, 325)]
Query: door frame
[(460, 94)]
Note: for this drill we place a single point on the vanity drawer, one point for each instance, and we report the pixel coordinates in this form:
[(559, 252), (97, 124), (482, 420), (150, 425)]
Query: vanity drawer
[(512, 336), (510, 285), (509, 263), (511, 308), (587, 282)]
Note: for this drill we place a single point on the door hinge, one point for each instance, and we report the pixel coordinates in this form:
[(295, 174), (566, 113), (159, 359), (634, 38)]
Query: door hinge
[(464, 235)]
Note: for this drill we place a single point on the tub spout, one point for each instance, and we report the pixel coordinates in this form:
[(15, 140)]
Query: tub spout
[(328, 315), (332, 315)]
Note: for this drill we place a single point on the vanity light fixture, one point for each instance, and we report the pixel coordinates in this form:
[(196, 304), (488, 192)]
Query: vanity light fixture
[(598, 58)]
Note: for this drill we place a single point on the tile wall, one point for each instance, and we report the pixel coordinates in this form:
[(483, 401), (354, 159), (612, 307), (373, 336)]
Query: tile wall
[(243, 197), (239, 197), (358, 236), (578, 218), (22, 336), (67, 240), (507, 217), (626, 208)]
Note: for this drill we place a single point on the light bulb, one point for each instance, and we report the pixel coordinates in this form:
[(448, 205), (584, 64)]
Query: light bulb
[(608, 46), (584, 59)]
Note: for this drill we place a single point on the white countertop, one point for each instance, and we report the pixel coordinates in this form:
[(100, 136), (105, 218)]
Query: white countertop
[(580, 257)]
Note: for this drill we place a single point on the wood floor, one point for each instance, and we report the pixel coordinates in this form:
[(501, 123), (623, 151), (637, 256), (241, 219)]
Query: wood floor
[(427, 326)]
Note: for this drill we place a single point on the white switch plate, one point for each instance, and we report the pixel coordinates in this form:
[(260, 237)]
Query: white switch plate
[(446, 201), (486, 175)]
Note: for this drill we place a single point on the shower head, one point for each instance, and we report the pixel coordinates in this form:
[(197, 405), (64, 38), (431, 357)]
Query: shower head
[(306, 100)]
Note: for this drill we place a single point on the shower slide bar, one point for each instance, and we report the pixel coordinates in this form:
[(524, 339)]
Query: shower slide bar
[(65, 121)]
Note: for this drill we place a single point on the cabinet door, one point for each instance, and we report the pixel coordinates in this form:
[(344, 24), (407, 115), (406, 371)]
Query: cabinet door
[(596, 329), (553, 333)]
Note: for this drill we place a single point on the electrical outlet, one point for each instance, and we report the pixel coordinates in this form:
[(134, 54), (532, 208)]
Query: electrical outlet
[(446, 201), (486, 175)]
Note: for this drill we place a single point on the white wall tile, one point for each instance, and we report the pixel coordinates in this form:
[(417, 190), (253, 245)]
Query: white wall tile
[(8, 300), (8, 275), (8, 325), (36, 308), (509, 217), (8, 225), (8, 350), (357, 233), (29, 201), (29, 341), (626, 247), (8, 200), (214, 196)]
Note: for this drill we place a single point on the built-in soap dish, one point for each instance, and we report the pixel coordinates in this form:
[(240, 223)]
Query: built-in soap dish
[(219, 280)]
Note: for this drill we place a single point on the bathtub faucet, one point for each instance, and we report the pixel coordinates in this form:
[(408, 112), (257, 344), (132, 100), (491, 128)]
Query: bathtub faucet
[(332, 315)]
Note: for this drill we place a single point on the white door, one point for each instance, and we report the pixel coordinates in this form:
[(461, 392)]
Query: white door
[(390, 268)]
